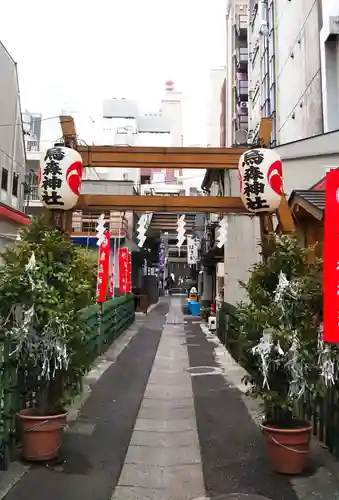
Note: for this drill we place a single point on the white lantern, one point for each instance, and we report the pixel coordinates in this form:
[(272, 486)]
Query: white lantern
[(60, 178), (261, 186)]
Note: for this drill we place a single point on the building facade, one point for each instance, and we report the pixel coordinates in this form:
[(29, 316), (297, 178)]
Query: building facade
[(294, 67), (12, 152), (215, 125), (293, 78), (236, 87)]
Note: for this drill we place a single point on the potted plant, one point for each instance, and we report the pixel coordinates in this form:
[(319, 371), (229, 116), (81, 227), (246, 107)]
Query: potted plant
[(44, 281), (281, 345)]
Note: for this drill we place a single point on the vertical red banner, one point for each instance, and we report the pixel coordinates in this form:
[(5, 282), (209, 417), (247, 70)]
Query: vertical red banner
[(331, 258), (124, 270), (103, 267), (128, 274), (111, 283)]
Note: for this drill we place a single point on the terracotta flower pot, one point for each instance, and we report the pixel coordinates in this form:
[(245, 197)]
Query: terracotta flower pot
[(40, 435), (288, 449)]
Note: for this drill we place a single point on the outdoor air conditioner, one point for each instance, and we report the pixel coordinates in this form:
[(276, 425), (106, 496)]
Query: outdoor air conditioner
[(243, 105)]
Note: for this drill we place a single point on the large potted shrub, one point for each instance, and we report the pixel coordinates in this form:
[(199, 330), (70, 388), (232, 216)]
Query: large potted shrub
[(44, 281), (281, 345)]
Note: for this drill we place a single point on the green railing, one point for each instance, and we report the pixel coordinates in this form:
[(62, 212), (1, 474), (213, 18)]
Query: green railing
[(116, 316), (322, 412)]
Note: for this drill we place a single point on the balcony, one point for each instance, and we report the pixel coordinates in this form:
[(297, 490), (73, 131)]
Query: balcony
[(241, 26), (241, 59), (84, 224), (242, 122), (242, 90), (242, 109)]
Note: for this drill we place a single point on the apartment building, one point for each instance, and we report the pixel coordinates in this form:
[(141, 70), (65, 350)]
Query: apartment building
[(217, 88), (12, 152), (293, 78), (236, 87)]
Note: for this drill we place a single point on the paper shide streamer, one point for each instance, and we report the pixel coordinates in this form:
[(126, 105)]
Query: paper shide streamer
[(284, 295), (41, 347), (327, 366)]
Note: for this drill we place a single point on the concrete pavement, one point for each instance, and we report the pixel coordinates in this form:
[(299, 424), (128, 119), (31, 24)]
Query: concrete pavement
[(166, 421)]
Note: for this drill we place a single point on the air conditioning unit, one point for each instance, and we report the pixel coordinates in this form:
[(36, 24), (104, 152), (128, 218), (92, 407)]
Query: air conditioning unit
[(243, 105)]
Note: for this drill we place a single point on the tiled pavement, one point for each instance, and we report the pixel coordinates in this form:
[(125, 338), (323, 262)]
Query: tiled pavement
[(164, 422)]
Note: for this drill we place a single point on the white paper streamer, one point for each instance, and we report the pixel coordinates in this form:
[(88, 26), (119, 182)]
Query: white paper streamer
[(297, 369), (42, 347), (264, 350), (325, 362)]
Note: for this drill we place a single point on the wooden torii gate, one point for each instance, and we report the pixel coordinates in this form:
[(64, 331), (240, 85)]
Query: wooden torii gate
[(170, 158)]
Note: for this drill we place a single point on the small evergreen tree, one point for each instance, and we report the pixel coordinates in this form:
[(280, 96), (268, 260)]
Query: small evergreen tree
[(44, 281), (281, 324)]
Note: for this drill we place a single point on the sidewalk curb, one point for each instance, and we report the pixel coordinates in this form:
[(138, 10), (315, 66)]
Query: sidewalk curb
[(234, 373), (17, 470)]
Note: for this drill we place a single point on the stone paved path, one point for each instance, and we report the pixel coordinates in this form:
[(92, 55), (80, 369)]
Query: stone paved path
[(163, 460), (164, 422)]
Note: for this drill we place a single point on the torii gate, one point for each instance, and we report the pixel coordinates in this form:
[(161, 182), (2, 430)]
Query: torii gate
[(170, 158)]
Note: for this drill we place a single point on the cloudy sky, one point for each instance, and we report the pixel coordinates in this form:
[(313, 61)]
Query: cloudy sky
[(72, 54)]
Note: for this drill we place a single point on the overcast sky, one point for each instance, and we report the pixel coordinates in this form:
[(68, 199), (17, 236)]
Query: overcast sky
[(72, 54)]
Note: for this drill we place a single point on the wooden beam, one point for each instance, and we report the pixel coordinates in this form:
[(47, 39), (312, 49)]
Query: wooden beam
[(265, 132), (172, 158), (285, 217), (67, 127), (172, 204)]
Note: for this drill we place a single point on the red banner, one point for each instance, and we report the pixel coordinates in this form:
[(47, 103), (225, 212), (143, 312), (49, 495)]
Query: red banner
[(124, 270), (102, 279), (111, 283), (331, 258)]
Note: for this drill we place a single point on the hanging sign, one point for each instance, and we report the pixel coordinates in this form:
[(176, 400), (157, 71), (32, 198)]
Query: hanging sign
[(331, 259), (261, 186), (162, 251), (192, 250), (124, 270), (60, 178), (103, 266)]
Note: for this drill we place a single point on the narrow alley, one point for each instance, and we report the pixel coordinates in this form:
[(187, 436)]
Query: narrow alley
[(166, 422)]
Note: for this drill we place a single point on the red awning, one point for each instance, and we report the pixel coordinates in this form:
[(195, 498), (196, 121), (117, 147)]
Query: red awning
[(13, 215)]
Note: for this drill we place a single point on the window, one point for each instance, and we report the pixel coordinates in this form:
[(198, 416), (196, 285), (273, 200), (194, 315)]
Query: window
[(4, 179), (15, 184), (272, 69), (272, 97)]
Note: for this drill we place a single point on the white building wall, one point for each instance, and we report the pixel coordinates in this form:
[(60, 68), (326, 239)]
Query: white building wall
[(171, 110), (12, 148), (329, 57), (298, 75), (216, 82)]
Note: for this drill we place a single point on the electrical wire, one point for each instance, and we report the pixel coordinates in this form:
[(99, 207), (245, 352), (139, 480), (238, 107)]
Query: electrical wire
[(40, 120)]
